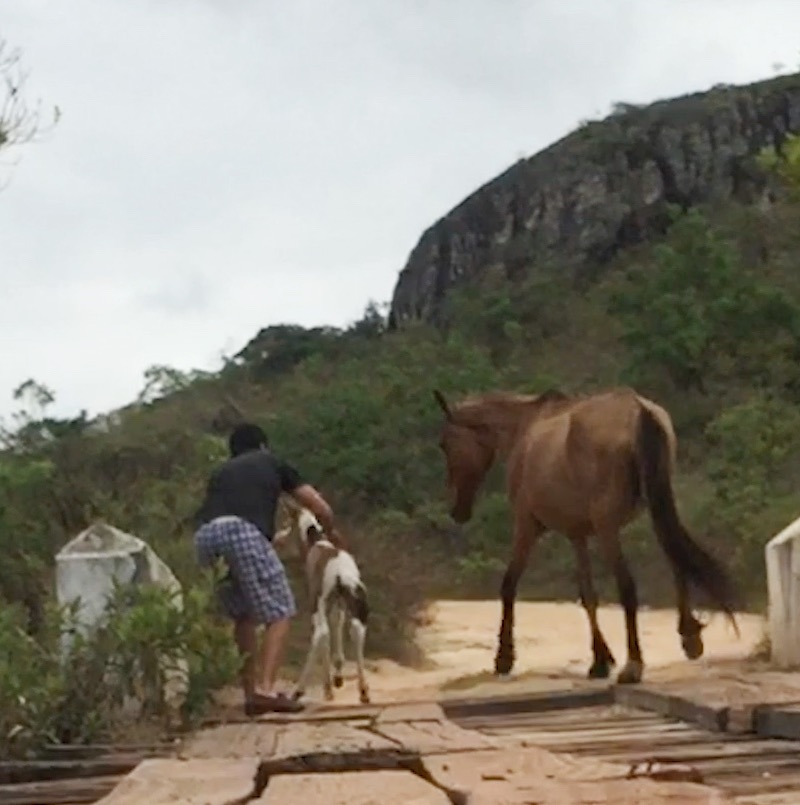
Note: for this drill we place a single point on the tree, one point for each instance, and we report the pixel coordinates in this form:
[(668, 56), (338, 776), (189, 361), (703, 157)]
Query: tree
[(20, 123), (373, 323), (698, 315), (161, 380), (35, 398), (784, 163)]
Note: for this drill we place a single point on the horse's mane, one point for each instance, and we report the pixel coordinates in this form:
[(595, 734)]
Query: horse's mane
[(498, 407)]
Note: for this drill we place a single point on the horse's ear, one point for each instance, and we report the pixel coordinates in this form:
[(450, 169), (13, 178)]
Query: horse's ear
[(439, 397)]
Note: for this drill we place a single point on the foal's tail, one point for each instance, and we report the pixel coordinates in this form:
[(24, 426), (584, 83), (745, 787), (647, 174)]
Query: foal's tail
[(688, 558), (354, 595)]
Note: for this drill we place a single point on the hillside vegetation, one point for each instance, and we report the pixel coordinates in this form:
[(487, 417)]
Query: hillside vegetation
[(706, 320)]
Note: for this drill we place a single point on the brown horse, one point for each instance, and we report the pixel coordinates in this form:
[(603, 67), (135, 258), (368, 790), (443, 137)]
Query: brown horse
[(581, 466)]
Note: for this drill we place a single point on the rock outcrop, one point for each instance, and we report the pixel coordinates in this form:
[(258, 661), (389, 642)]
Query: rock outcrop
[(603, 187)]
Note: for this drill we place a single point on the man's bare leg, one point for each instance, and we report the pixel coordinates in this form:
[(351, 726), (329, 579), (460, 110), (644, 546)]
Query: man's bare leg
[(273, 647), (247, 643)]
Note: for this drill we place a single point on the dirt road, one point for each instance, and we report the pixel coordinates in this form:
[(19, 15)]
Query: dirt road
[(552, 645)]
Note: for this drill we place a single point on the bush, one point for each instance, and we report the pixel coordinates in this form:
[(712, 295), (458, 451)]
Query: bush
[(700, 317), (117, 674), (31, 686)]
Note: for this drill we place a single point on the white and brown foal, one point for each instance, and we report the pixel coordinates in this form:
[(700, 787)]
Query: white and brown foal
[(334, 586)]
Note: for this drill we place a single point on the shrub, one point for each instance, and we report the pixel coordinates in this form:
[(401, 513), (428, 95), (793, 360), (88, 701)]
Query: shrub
[(82, 691)]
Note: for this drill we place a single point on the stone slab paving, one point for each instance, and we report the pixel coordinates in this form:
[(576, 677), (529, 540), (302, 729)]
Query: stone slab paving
[(729, 685), (186, 782), (352, 788), (410, 754), (233, 741), (329, 736), (534, 775)]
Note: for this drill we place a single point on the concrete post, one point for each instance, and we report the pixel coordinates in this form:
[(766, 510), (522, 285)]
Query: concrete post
[(782, 554)]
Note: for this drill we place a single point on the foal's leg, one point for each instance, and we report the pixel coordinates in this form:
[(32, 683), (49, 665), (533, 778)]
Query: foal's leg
[(337, 638), (327, 678), (320, 637), (358, 633), (689, 628), (526, 532), (603, 658), (632, 672)]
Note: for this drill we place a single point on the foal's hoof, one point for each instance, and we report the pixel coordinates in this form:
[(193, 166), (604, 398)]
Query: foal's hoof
[(630, 674), (692, 646), (364, 697), (338, 681)]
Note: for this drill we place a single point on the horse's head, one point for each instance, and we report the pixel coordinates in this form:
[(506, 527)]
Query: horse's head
[(469, 449)]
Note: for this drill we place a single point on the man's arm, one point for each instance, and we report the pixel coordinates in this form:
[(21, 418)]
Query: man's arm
[(305, 494)]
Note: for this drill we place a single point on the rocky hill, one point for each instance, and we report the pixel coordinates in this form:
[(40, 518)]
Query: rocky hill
[(603, 187)]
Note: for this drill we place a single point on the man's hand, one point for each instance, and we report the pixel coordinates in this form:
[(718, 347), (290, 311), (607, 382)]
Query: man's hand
[(308, 497), (337, 539)]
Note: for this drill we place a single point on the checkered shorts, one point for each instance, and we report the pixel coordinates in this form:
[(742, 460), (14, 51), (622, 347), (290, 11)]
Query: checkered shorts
[(256, 587)]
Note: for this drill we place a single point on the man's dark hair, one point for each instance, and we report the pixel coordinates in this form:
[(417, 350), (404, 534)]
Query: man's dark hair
[(246, 437)]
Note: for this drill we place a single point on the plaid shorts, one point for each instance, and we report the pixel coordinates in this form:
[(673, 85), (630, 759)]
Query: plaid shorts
[(256, 587)]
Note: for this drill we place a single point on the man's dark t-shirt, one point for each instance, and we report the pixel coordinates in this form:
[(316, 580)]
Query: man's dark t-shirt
[(248, 486)]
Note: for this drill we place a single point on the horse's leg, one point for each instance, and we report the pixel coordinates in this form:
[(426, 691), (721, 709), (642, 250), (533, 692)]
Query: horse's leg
[(689, 628), (526, 531), (337, 638), (358, 633), (603, 658), (609, 541)]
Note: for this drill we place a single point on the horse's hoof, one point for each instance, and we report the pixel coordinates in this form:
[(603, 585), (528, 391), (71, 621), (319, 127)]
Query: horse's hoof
[(503, 665), (338, 681), (364, 697), (630, 674), (297, 695), (692, 646), (599, 670)]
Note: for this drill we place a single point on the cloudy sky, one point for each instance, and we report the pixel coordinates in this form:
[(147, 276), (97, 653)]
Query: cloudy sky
[(222, 165)]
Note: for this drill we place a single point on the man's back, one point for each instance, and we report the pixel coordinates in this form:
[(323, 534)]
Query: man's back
[(248, 486)]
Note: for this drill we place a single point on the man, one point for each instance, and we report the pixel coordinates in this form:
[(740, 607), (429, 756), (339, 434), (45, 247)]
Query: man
[(237, 523)]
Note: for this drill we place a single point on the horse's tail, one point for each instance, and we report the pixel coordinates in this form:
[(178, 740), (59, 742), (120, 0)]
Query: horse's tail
[(354, 595), (688, 558)]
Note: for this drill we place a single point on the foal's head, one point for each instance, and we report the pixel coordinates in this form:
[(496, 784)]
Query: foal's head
[(309, 528), (304, 529), (469, 449)]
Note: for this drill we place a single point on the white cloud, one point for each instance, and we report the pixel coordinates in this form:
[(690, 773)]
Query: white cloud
[(226, 164)]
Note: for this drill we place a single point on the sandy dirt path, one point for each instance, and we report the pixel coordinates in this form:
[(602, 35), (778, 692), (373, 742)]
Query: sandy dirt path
[(552, 645)]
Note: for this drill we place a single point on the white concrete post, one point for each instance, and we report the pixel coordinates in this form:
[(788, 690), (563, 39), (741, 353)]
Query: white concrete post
[(87, 568), (782, 554)]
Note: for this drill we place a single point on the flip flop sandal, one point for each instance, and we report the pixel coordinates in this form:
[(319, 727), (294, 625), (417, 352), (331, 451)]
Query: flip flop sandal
[(260, 705)]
